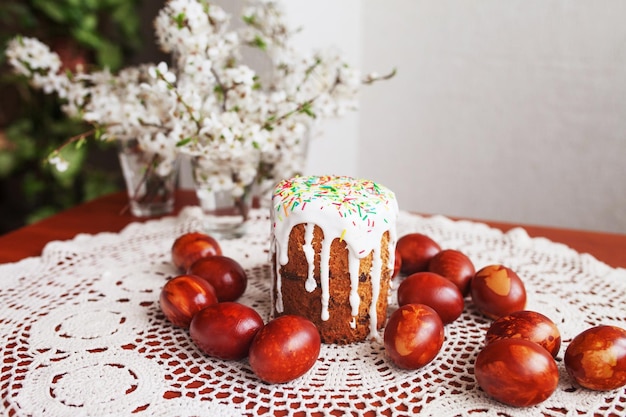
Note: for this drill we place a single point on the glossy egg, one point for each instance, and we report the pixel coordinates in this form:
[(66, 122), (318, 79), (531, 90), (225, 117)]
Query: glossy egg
[(285, 349), (433, 290), (529, 325), (225, 330), (497, 290), (516, 372), (596, 358), (416, 250), (413, 336), (455, 266), (225, 274), (183, 296), (192, 246)]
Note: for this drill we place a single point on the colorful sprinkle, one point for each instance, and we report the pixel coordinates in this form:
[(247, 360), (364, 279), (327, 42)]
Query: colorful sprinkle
[(350, 197)]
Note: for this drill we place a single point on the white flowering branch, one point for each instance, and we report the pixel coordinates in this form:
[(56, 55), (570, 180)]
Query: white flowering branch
[(209, 104)]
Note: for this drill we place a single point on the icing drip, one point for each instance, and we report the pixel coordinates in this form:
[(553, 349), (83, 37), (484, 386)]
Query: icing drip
[(377, 265), (391, 266), (278, 289), (325, 276), (356, 211), (355, 299), (309, 252)]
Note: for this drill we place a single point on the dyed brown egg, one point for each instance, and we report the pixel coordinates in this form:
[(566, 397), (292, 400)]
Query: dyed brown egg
[(596, 358), (516, 372), (190, 247), (225, 330), (413, 336), (225, 274), (528, 325), (497, 290), (455, 266), (284, 349), (183, 296), (416, 250), (433, 290)]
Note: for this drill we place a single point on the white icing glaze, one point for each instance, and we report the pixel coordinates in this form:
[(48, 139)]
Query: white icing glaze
[(278, 286), (355, 300), (356, 211), (377, 265), (309, 252)]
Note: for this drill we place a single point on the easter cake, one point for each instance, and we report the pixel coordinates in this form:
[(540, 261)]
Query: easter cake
[(333, 245)]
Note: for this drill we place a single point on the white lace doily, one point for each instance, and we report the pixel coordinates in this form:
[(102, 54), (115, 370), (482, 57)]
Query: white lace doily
[(83, 334)]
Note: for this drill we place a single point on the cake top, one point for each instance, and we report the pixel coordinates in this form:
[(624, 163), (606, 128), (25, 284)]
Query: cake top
[(349, 197), (355, 210)]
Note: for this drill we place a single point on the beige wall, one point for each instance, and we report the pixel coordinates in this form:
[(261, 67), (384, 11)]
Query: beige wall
[(504, 110), (509, 110)]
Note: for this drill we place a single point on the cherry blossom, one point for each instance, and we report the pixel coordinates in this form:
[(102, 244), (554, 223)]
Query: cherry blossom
[(237, 123)]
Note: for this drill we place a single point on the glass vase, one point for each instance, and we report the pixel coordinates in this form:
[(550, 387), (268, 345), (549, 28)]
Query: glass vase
[(150, 182), (225, 209)]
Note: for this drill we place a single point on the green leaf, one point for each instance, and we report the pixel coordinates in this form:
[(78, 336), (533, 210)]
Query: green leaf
[(52, 9), (88, 38), (21, 136), (260, 43), (81, 142), (17, 12), (7, 164), (180, 20), (91, 4), (74, 4), (31, 185), (306, 109), (99, 132), (125, 16), (109, 55), (249, 20), (219, 91), (41, 213), (75, 158), (98, 183), (89, 22), (183, 142)]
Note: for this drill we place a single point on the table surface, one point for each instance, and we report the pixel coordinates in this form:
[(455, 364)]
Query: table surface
[(110, 214), (66, 357)]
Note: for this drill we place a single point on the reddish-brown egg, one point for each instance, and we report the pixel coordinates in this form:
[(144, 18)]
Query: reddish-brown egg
[(413, 336), (285, 349), (596, 358), (497, 290), (454, 265), (529, 325), (516, 372), (183, 296), (192, 246), (433, 290), (416, 250), (225, 274), (225, 330)]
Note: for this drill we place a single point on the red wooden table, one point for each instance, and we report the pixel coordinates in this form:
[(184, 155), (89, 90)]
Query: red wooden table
[(108, 214)]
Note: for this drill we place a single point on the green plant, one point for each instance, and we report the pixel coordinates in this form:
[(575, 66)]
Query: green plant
[(98, 33)]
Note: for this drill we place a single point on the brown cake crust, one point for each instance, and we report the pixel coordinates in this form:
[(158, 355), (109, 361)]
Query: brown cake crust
[(297, 300)]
